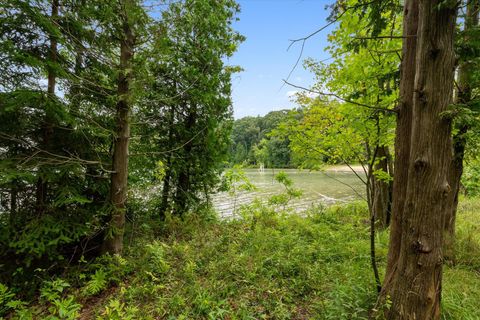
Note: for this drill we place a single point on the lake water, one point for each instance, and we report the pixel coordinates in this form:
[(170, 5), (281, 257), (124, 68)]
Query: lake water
[(331, 186)]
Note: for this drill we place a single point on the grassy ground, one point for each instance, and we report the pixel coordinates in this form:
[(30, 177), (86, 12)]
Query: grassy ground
[(265, 266)]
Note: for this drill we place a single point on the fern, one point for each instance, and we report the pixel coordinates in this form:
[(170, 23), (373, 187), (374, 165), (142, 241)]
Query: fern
[(96, 284)]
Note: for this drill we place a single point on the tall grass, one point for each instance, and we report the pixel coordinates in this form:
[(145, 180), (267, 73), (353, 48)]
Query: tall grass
[(266, 265)]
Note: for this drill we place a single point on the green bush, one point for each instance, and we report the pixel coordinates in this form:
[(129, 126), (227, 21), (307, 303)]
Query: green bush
[(471, 179), (266, 265)]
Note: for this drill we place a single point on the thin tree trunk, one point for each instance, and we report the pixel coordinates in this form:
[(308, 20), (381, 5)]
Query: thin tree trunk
[(164, 205), (118, 189), (183, 181), (183, 184), (402, 140), (381, 191), (13, 202), (464, 96), (166, 189), (47, 126), (183, 188), (76, 87), (381, 195), (370, 191), (454, 177), (373, 256), (417, 282)]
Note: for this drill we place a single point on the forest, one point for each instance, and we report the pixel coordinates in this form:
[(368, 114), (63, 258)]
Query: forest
[(118, 137)]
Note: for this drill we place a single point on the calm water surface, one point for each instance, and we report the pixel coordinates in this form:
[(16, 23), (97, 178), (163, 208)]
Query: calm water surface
[(318, 187)]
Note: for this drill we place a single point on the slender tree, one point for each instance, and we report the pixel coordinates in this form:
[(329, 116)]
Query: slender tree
[(118, 188), (47, 126)]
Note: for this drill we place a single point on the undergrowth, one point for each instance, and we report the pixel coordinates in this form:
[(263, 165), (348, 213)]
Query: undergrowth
[(266, 265)]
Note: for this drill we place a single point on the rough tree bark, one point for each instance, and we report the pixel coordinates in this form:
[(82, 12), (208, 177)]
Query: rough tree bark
[(417, 281), (402, 140), (464, 95), (113, 243)]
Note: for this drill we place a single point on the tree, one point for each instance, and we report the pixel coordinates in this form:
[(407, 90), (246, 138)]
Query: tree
[(51, 147), (247, 136), (129, 18), (187, 115), (466, 118), (363, 74), (402, 137), (416, 279), (79, 78)]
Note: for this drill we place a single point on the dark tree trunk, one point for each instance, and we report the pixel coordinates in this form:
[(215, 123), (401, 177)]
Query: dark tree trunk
[(464, 96), (417, 281), (164, 205), (402, 139), (381, 200), (370, 192), (76, 87), (183, 187), (183, 183), (454, 176), (13, 201), (47, 126), (113, 243)]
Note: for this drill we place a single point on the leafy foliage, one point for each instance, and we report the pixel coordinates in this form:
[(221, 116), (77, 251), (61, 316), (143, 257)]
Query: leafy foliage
[(187, 110), (273, 265), (58, 100), (253, 142)]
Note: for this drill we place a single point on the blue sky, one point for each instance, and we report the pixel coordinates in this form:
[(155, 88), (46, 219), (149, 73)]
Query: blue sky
[(268, 26)]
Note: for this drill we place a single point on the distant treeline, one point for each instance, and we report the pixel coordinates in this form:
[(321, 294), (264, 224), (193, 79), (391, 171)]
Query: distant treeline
[(253, 142)]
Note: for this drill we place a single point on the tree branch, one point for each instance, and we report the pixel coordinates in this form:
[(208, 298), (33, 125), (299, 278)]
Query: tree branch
[(339, 98)]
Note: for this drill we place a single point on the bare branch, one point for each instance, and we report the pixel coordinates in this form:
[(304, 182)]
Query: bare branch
[(339, 98)]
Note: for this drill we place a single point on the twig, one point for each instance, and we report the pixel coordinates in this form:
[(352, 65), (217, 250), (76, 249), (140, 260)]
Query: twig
[(339, 98)]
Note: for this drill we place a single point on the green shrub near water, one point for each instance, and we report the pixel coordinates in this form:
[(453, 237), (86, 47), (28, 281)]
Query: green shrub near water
[(266, 265)]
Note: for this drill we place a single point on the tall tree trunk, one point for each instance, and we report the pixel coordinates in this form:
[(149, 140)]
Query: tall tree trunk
[(183, 183), (118, 189), (464, 96), (417, 282), (47, 126), (402, 139), (381, 199)]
